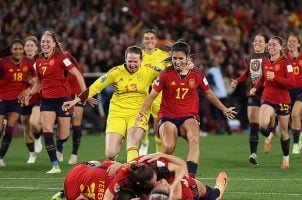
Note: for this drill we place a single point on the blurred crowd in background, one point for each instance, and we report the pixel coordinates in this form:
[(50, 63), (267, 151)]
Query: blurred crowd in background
[(97, 32)]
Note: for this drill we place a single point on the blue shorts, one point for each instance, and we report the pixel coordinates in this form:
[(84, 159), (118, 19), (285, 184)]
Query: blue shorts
[(26, 110), (281, 108), (176, 121), (54, 105), (254, 101), (9, 106)]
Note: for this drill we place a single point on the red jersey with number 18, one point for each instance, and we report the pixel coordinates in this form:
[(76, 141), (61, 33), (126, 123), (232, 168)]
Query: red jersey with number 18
[(180, 96)]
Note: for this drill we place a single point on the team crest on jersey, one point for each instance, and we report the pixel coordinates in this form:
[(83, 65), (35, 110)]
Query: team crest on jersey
[(191, 83), (140, 77), (157, 69), (277, 67), (255, 64), (25, 68), (51, 62)]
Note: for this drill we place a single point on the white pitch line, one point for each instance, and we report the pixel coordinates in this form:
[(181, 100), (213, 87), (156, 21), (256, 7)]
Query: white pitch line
[(28, 188), (29, 178), (256, 179), (198, 178), (265, 193)]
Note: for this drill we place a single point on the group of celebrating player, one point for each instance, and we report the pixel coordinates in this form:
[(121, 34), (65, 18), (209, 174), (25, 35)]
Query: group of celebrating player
[(275, 86), (38, 84)]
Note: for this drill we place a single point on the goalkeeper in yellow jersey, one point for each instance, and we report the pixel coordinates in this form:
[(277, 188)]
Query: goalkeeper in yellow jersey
[(152, 56), (131, 81)]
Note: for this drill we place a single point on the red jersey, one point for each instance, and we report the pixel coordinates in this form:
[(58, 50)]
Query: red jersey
[(14, 78), (276, 91), (51, 72), (297, 68), (180, 96), (71, 80), (88, 181)]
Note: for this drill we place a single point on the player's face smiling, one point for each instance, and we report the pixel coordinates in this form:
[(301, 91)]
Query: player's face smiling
[(292, 43), (179, 60), (149, 41), (47, 44), (17, 51), (274, 47), (259, 44), (30, 48), (133, 62)]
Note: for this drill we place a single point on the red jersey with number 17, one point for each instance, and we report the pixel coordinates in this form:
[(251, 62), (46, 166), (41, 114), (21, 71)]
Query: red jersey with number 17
[(52, 73), (180, 96)]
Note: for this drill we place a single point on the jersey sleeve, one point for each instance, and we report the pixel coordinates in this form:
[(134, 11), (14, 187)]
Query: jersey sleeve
[(102, 82), (204, 84), (159, 82), (289, 81)]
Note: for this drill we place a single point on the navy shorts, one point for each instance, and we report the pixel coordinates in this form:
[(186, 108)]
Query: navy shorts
[(26, 110), (9, 106), (254, 101), (54, 105), (281, 108), (176, 121), (295, 94)]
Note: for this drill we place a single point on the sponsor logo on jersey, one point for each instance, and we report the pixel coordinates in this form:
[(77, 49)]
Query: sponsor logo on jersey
[(173, 83), (10, 70)]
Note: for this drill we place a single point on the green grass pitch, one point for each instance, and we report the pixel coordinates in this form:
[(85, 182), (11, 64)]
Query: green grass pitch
[(267, 181)]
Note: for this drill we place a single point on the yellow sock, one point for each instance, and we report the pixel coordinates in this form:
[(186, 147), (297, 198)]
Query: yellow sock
[(132, 153), (145, 138), (158, 144)]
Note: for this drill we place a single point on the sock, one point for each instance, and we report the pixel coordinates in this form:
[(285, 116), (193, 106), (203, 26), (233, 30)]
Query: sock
[(76, 139), (132, 153), (296, 136), (211, 193), (50, 147), (285, 146), (31, 147), (7, 139), (158, 144), (192, 168), (254, 137), (60, 143), (145, 138), (265, 131), (37, 135)]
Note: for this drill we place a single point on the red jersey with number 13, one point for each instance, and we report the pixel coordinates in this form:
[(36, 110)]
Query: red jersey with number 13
[(180, 96)]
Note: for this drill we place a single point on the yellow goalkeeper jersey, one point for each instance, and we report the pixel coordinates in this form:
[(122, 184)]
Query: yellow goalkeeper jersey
[(130, 89), (155, 59)]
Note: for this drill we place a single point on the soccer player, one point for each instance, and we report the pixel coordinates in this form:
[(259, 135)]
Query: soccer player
[(252, 74), (178, 114), (30, 114), (76, 119), (15, 70), (51, 67), (277, 77), (294, 57), (132, 82), (152, 56)]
